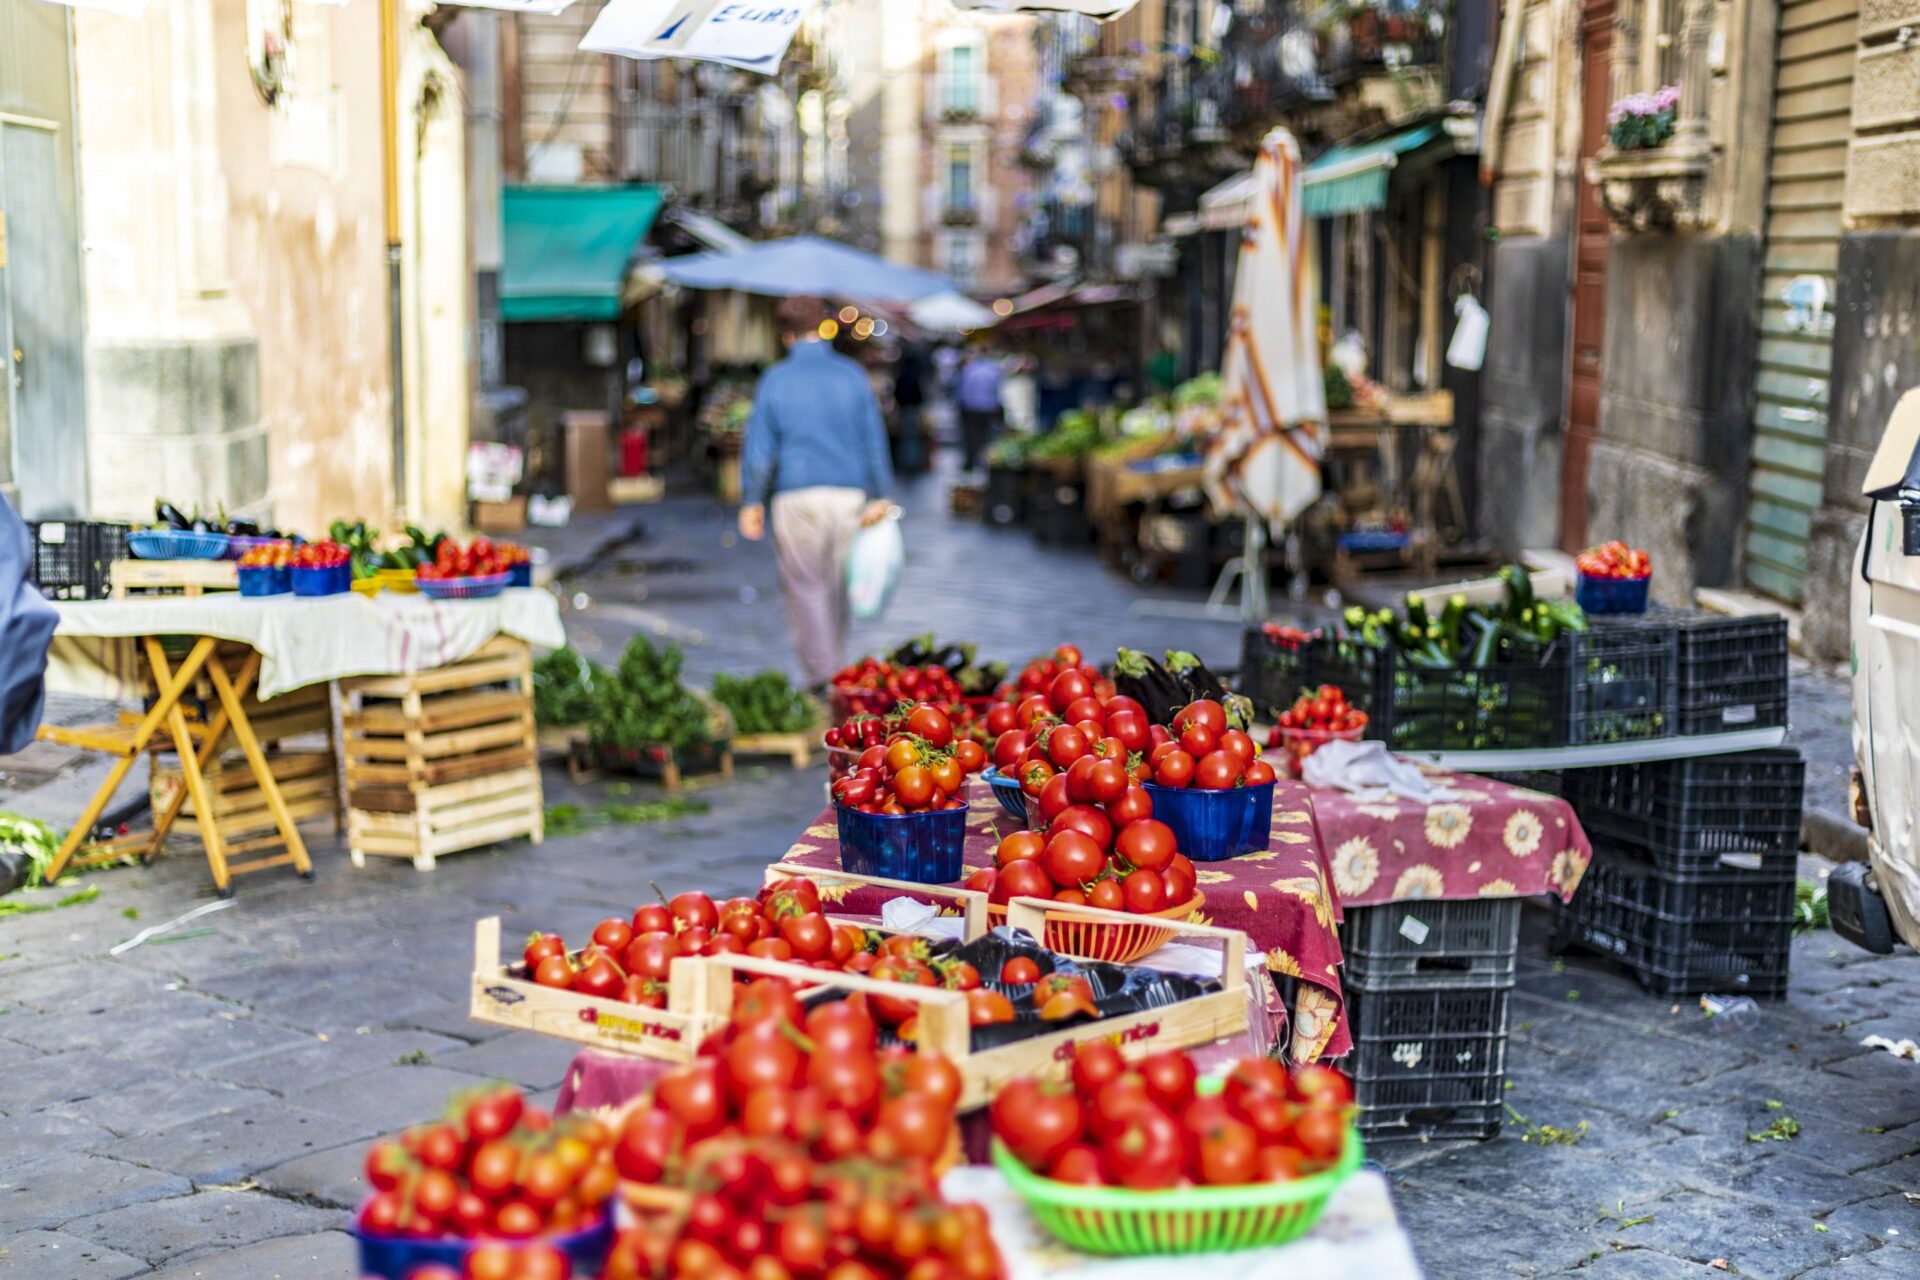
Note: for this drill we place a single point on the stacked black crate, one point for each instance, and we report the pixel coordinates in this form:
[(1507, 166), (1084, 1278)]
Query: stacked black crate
[(1692, 880), (1427, 984)]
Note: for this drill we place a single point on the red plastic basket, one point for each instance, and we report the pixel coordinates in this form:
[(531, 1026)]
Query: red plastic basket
[(1110, 942)]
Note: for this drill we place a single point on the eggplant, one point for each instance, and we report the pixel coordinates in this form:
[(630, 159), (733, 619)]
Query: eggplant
[(1195, 677), (1151, 685), (244, 528), (171, 515)]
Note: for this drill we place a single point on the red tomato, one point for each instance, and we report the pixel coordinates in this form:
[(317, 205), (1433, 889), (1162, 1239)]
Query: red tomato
[(694, 909), (1148, 844), (1259, 773), (981, 881), (1072, 858), (1094, 1063), (1227, 1154), (913, 786), (1088, 820), (1322, 1084), (931, 723), (1019, 971), (1055, 797), (1144, 1153), (1107, 781), (1320, 1133), (1170, 1077), (1130, 727), (1036, 1122), (1146, 892), (1008, 748), (1133, 805), (1079, 779), (1238, 744), (1107, 895), (1001, 718), (1068, 688), (542, 945), (1117, 1099), (1081, 710), (1025, 879), (1034, 777), (1180, 880), (971, 755), (1174, 769), (810, 935), (1078, 1165), (948, 774), (1217, 771), (1031, 709), (1197, 740), (1021, 844), (554, 972), (1065, 744)]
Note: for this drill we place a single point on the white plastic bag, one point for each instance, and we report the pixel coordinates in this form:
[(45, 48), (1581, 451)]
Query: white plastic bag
[(1468, 350), (873, 567)]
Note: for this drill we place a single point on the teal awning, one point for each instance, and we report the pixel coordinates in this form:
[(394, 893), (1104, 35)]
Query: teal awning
[(1350, 179), (566, 249)]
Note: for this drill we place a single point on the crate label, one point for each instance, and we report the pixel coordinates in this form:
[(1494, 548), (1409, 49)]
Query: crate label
[(615, 1027), (504, 995), (1740, 715), (53, 533), (1118, 1039), (1414, 930), (1408, 1054)]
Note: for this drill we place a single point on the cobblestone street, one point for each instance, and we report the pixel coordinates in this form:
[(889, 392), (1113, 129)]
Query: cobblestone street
[(198, 1106)]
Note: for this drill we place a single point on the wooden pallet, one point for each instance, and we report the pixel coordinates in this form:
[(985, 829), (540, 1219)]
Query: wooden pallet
[(587, 763), (444, 760), (796, 747), (308, 782), (171, 577)]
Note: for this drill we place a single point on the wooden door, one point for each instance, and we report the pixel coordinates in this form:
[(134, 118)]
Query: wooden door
[(1589, 277)]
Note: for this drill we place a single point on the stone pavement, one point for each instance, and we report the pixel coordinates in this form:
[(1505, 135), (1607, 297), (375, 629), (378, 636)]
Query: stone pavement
[(199, 1107)]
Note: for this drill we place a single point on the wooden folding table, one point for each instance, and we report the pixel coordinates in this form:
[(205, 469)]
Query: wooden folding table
[(196, 744)]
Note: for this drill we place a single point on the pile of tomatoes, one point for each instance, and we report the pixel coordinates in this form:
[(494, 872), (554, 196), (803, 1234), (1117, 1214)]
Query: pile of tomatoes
[(804, 1144), (481, 558), (268, 555), (923, 766), (1614, 560), (1325, 710), (1206, 753), (1046, 732), (492, 1167), (1147, 1127), (1107, 853), (875, 686), (1040, 673), (324, 554)]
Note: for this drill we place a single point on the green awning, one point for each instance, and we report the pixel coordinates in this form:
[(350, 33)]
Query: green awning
[(1350, 179), (566, 249)]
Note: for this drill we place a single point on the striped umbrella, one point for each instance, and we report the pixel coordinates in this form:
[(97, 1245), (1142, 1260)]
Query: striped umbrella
[(1265, 460)]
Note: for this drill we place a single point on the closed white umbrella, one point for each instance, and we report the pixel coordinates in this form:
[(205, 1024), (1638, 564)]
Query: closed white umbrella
[(951, 313), (1265, 460)]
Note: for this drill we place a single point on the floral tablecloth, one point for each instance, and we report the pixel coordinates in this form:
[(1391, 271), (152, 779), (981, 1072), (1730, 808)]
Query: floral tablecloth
[(1489, 840), (1280, 899)]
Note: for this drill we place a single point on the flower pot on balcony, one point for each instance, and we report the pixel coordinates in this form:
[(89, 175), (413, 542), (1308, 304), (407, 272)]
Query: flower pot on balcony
[(1653, 189)]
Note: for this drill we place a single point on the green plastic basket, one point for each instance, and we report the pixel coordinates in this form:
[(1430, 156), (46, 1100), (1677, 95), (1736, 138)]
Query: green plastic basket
[(1115, 1221)]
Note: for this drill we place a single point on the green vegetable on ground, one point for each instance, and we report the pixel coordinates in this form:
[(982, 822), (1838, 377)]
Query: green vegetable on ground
[(563, 687), (764, 703), (645, 705)]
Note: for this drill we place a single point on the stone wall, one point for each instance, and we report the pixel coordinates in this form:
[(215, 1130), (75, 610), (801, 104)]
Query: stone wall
[(1669, 467), (1522, 395)]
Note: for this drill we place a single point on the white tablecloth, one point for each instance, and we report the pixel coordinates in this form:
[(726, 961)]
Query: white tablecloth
[(302, 640), (1359, 1238)]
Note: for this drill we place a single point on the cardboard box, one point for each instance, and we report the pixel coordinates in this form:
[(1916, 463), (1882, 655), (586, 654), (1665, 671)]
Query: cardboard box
[(501, 517)]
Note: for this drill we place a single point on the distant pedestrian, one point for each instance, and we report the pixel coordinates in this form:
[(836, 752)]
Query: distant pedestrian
[(816, 452), (978, 398), (26, 629), (910, 399)]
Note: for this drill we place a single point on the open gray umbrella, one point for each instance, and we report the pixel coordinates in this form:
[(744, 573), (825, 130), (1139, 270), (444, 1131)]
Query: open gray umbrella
[(806, 265)]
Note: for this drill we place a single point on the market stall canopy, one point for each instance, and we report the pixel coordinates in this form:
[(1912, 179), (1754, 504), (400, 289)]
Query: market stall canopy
[(801, 265), (707, 229), (1353, 179), (566, 249), (1102, 9), (751, 37), (1051, 297), (1224, 207), (951, 313)]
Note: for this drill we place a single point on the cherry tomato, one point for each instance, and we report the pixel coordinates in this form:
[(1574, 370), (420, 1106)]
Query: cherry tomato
[(913, 786), (1019, 971)]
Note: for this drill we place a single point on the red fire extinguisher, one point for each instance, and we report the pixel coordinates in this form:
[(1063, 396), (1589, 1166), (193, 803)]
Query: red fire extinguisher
[(633, 451)]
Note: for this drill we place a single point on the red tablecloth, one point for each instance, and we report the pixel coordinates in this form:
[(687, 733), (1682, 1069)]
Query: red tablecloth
[(1280, 899), (1491, 840)]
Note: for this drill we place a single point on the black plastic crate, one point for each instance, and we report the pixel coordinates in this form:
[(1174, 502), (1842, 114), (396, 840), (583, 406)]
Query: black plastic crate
[(1702, 814), (1731, 672), (1551, 782), (1428, 1063), (1005, 501), (1431, 943), (1057, 511), (1680, 933), (72, 558), (1272, 670), (1599, 685)]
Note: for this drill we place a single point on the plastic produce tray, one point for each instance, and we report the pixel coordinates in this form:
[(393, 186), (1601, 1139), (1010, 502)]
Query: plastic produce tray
[(71, 558), (1731, 672), (1684, 934), (1707, 813), (1428, 1063), (1431, 944)]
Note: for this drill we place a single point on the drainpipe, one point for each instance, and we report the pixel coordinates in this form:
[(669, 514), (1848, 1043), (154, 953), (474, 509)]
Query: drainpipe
[(390, 170)]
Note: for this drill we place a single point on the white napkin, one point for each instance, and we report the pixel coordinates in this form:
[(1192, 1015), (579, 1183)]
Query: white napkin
[(910, 915), (1368, 768)]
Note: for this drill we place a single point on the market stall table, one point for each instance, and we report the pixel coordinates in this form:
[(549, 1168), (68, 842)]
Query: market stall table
[(131, 650), (1278, 897)]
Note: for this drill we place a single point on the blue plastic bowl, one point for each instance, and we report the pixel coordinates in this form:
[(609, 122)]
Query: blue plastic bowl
[(463, 588), (393, 1257), (1007, 791), (176, 544), (322, 582), (1612, 595), (1212, 826), (926, 848), (265, 580), (520, 575)]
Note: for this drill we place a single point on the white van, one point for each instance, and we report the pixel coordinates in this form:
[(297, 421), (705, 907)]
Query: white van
[(1876, 904)]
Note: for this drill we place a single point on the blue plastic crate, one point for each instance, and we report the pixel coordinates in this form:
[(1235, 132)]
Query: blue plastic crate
[(322, 582), (396, 1258), (1212, 826), (925, 848), (1612, 595), (265, 580)]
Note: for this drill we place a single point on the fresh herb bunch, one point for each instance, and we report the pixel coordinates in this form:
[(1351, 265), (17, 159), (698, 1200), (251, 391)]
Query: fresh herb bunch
[(764, 703), (563, 687), (645, 705)]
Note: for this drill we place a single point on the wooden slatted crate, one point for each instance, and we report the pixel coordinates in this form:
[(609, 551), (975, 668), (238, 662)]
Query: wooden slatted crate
[(308, 782), (444, 760)]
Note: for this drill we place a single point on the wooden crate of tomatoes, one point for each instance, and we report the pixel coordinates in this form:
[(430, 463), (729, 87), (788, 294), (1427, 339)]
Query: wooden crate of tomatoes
[(637, 987)]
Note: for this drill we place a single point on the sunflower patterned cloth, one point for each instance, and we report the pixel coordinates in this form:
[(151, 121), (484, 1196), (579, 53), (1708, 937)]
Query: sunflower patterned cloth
[(1490, 840), (1280, 898)]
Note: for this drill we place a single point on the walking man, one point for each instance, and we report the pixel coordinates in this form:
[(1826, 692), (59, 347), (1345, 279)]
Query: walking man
[(816, 453), (978, 396)]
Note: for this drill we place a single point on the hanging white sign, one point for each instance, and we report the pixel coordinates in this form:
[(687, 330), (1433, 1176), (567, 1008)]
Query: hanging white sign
[(753, 37)]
